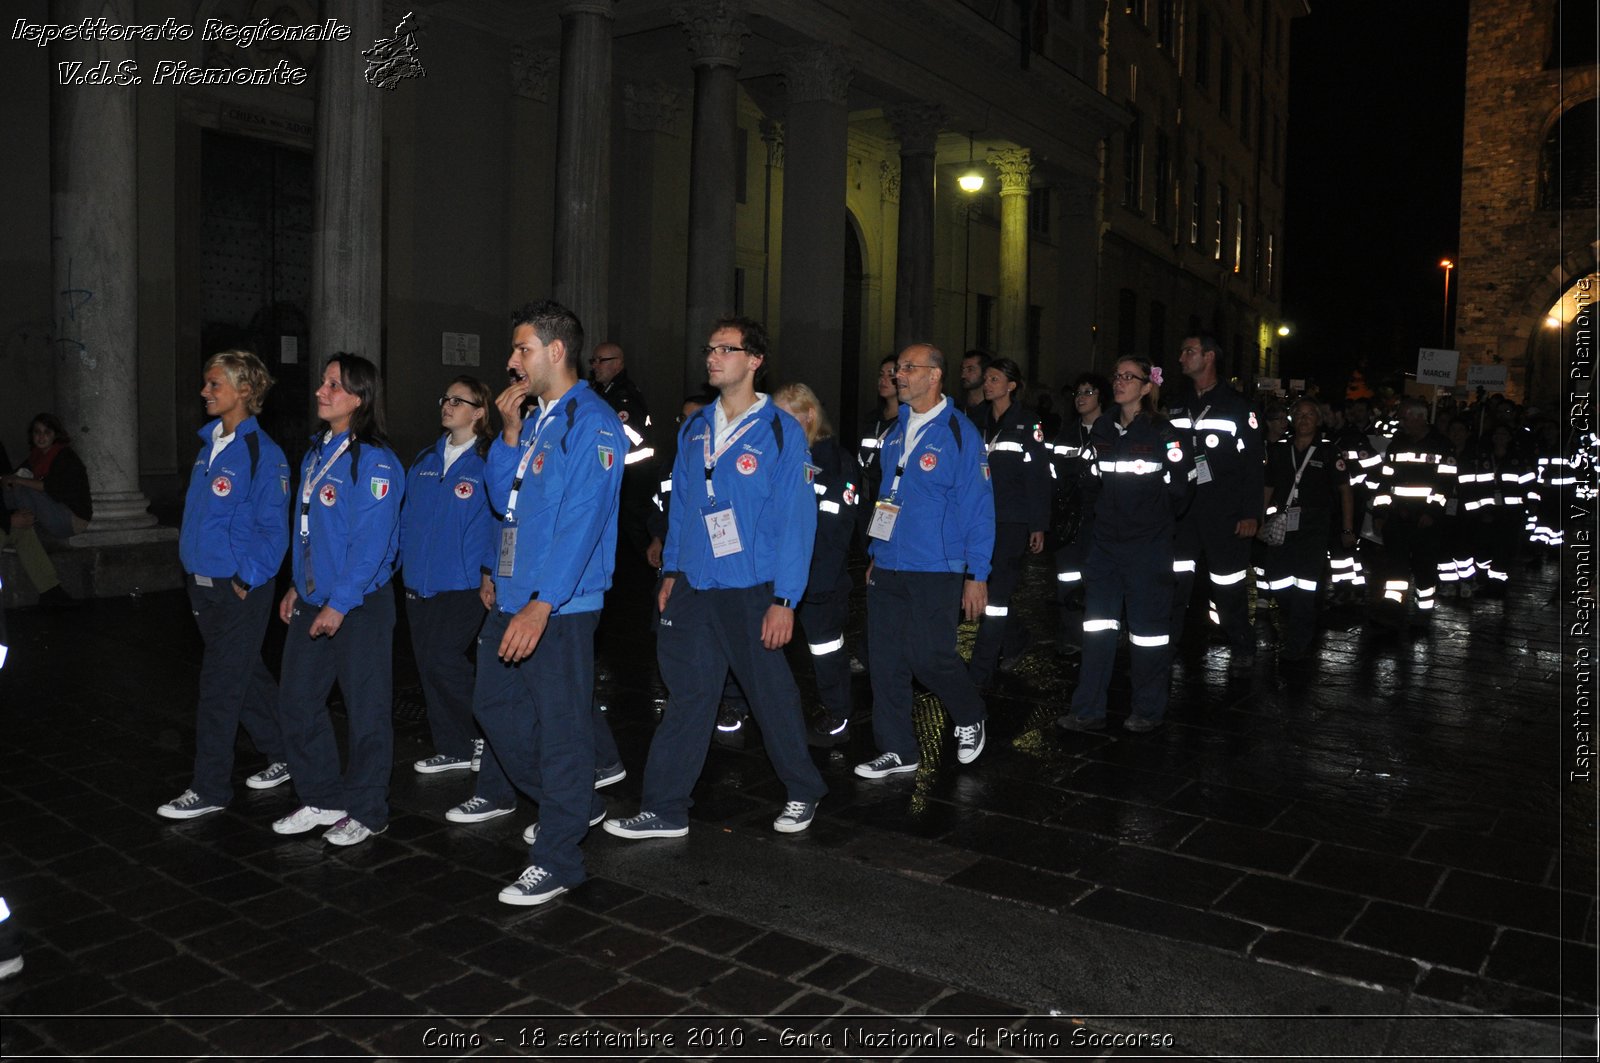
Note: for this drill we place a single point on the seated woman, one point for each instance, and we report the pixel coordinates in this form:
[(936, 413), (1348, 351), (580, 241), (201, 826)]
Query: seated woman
[(47, 495)]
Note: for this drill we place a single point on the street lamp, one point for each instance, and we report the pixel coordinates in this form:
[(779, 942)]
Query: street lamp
[(1447, 266), (971, 183), (1283, 330)]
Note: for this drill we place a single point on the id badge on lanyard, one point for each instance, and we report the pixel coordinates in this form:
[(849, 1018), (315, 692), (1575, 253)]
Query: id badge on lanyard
[(508, 551), (722, 529), (1291, 519), (306, 492), (506, 565), (884, 514)]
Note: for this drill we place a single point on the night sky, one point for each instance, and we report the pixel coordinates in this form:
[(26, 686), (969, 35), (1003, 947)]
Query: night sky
[(1374, 183)]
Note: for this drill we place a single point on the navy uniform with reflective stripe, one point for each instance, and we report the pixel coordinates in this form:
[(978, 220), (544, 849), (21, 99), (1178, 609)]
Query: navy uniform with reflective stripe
[(235, 529), (1496, 503), (826, 606), (1220, 426), (1293, 570), (944, 534), (1140, 479), (1019, 468), (346, 563), (712, 622), (538, 713), (447, 544), (1409, 492), (640, 467)]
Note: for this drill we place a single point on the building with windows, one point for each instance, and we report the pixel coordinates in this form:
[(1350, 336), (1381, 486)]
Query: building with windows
[(653, 164), (1527, 263)]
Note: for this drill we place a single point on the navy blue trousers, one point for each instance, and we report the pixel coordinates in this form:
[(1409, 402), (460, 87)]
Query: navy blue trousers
[(999, 633), (1227, 559), (821, 619), (361, 657), (443, 629), (702, 635), (235, 687), (911, 621), (537, 715), (1135, 578)]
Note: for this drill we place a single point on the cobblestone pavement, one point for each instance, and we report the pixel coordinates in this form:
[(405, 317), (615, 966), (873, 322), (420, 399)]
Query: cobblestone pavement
[(1371, 854)]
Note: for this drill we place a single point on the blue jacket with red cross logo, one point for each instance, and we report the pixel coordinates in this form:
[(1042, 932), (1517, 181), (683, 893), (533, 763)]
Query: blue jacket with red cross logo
[(447, 531), (571, 455), (765, 477), (236, 511), (946, 518), (353, 520)]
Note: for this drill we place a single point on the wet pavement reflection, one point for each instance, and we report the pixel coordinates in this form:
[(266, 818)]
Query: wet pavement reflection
[(1388, 814)]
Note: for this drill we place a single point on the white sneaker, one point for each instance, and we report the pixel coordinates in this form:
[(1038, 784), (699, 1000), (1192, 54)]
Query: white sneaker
[(307, 817), (882, 765), (349, 831), (276, 774), (477, 754), (441, 762), (531, 834)]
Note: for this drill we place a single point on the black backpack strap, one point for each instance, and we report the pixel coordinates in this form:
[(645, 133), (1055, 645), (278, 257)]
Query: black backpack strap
[(355, 456), (572, 415), (253, 444), (955, 427), (777, 430)]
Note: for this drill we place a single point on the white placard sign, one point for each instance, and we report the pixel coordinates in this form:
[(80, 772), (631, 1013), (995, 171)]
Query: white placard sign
[(1489, 377), (1296, 385), (1267, 383), (288, 350), (1437, 367), (460, 348)]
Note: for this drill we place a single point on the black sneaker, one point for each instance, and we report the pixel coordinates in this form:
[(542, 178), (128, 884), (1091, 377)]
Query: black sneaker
[(827, 731), (731, 726)]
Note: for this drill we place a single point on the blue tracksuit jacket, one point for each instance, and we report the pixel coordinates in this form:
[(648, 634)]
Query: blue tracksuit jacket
[(236, 511), (448, 534), (354, 518), (946, 521)]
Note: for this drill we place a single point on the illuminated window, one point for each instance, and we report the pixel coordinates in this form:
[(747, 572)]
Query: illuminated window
[(1238, 236), (1222, 216), (1197, 206)]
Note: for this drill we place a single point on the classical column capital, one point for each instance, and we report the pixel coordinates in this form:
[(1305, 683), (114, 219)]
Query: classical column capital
[(772, 137), (889, 181), (531, 71), (603, 8), (917, 126), (652, 106), (816, 73), (1015, 166), (716, 31)]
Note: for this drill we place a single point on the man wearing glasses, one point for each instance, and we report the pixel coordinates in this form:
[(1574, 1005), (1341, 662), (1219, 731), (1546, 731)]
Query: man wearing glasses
[(734, 566), (1230, 469), (930, 538)]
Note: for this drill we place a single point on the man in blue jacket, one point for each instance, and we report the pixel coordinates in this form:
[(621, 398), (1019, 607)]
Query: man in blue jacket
[(555, 474), (734, 566), (930, 538)]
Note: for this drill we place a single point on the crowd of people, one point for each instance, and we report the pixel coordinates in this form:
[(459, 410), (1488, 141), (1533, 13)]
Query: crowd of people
[(506, 533)]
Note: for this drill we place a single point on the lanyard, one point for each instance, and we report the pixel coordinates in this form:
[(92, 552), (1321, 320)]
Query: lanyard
[(905, 451), (539, 426), (713, 458), (1294, 488), (310, 485)]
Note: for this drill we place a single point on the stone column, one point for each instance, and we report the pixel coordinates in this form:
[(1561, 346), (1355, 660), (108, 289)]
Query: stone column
[(716, 36), (1015, 166), (583, 165), (816, 80), (347, 225), (94, 257), (917, 125)]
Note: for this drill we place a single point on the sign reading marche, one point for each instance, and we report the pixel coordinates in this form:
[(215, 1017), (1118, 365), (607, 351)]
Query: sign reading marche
[(1435, 366)]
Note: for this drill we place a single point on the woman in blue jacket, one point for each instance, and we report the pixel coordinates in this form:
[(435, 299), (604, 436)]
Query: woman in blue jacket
[(447, 544), (340, 612), (1141, 478), (235, 530)]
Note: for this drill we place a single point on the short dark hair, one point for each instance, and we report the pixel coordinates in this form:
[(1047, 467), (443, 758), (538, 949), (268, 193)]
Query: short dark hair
[(1101, 385), (52, 422), (551, 322), (1209, 343), (985, 359), (360, 378), (752, 333)]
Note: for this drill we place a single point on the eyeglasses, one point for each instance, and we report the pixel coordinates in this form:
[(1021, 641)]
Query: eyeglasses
[(602, 361), (1128, 378), (456, 402), (723, 349), (1085, 393), (904, 368)]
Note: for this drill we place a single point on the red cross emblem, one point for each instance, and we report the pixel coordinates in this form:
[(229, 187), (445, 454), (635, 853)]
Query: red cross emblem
[(222, 487), (746, 464), (928, 462), (463, 489), (328, 495), (538, 463)]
